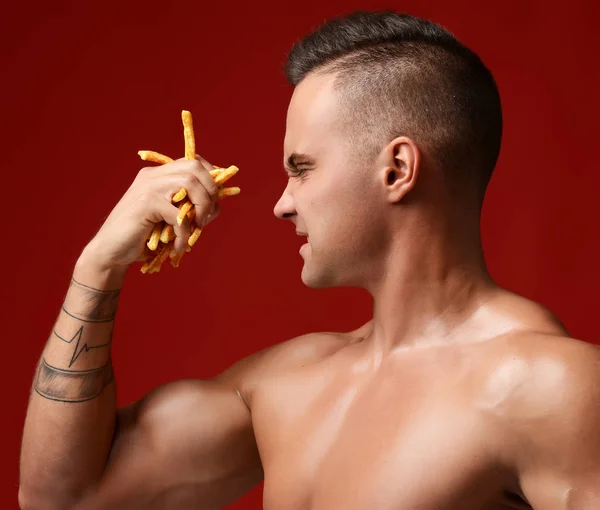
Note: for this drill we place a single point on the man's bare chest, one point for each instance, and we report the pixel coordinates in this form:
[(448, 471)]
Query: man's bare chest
[(331, 439)]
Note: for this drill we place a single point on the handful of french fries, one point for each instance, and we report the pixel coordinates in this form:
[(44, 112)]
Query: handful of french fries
[(159, 245)]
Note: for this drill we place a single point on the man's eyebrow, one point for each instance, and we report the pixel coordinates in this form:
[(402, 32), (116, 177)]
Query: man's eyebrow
[(297, 158)]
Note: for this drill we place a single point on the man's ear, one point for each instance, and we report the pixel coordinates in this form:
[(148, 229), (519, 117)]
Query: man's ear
[(399, 162)]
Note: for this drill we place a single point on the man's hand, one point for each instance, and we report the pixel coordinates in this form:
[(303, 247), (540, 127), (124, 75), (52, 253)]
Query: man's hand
[(120, 240)]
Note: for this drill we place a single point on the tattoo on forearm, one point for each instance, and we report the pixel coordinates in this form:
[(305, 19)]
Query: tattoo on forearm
[(101, 305), (65, 385), (98, 306), (79, 345), (71, 385)]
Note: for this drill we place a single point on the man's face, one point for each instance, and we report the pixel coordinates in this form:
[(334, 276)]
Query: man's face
[(333, 199)]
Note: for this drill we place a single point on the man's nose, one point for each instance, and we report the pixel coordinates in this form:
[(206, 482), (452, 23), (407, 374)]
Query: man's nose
[(285, 208)]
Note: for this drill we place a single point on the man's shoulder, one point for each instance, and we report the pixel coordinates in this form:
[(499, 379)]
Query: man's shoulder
[(538, 369), (541, 387), (552, 416), (305, 349), (566, 367), (554, 352), (526, 334), (518, 314), (288, 356)]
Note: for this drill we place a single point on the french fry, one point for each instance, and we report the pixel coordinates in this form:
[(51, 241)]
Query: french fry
[(155, 157), (179, 196), (215, 173), (154, 237), (147, 265), (194, 237), (188, 135), (228, 192), (167, 234), (161, 256), (145, 255), (185, 208), (226, 174), (176, 257)]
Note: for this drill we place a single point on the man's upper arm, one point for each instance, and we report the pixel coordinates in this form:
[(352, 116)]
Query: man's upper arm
[(190, 444), (187, 444), (560, 464)]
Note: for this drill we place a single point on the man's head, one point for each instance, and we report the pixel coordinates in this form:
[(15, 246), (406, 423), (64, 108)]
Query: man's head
[(393, 112)]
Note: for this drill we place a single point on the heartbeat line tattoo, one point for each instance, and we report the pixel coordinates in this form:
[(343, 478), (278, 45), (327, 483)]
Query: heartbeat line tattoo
[(85, 347)]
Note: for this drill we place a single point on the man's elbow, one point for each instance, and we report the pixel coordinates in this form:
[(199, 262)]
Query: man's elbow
[(27, 502), (32, 500)]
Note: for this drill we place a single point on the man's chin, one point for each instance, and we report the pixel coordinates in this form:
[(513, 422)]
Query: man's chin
[(314, 284), (315, 280)]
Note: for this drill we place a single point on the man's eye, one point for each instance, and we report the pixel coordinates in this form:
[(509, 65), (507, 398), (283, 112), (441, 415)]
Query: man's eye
[(298, 172)]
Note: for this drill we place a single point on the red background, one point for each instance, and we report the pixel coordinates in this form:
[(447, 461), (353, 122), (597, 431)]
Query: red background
[(86, 85)]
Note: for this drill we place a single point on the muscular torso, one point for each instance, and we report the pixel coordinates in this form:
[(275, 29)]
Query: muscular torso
[(477, 420), (428, 429), (480, 419)]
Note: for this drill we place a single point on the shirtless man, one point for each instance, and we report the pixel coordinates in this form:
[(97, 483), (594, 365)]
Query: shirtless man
[(457, 395)]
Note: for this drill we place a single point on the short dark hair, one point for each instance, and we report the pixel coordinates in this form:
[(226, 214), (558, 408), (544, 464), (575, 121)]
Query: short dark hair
[(397, 74)]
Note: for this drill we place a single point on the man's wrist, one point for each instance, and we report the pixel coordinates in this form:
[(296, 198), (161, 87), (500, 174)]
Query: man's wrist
[(91, 272)]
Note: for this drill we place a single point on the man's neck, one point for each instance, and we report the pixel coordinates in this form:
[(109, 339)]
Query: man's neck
[(429, 289)]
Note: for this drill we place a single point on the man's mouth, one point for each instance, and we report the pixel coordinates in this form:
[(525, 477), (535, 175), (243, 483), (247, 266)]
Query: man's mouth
[(303, 234)]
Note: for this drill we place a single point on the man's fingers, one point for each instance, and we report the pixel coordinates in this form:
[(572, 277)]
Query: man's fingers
[(168, 213), (214, 214), (208, 166), (195, 168), (196, 195)]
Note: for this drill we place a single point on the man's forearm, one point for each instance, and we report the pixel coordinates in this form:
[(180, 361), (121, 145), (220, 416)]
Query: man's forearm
[(75, 365), (71, 414)]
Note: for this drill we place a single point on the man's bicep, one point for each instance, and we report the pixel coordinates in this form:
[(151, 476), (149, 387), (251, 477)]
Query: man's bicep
[(188, 444)]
